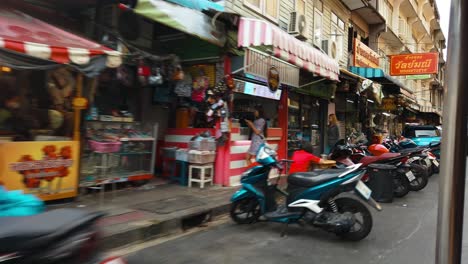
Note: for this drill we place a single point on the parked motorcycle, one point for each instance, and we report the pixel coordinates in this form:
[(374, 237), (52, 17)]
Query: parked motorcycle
[(311, 198), (405, 178), (58, 236), (419, 155)]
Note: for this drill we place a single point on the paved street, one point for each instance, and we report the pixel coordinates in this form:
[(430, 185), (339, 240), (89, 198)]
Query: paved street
[(403, 233)]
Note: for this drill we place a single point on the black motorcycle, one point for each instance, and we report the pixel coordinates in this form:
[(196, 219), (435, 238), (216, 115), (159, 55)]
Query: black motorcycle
[(59, 236)]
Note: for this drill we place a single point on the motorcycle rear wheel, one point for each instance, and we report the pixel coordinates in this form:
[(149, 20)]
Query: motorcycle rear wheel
[(429, 170), (401, 185), (364, 222), (245, 211), (421, 175)]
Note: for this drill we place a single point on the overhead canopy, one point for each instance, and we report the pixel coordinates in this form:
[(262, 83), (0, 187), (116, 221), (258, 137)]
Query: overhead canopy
[(254, 32), (378, 75), (184, 19), (26, 42), (200, 4)]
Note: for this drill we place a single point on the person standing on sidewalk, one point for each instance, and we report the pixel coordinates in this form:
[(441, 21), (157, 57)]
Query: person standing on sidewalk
[(258, 127), (333, 131)]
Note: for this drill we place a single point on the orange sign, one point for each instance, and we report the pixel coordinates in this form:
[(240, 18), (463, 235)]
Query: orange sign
[(365, 56), (414, 64), (48, 170)]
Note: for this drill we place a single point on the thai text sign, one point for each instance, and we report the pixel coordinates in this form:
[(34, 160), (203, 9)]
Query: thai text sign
[(365, 56), (48, 170), (414, 64)]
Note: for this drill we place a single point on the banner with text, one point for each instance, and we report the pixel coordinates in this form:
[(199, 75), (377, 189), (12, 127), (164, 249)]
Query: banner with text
[(414, 64), (365, 56)]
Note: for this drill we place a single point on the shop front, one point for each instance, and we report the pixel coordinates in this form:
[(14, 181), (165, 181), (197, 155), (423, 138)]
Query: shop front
[(43, 70), (292, 115), (308, 108), (350, 105), (391, 99)]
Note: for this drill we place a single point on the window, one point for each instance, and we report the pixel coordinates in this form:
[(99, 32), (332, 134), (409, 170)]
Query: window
[(337, 34), (318, 28), (386, 10), (301, 7), (318, 5), (267, 8)]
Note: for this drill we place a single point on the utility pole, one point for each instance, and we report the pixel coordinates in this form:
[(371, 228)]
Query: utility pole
[(453, 167)]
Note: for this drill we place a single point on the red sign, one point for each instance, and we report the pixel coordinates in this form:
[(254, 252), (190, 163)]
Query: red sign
[(414, 64)]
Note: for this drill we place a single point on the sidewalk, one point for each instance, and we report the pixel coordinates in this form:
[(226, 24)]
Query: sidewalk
[(151, 211)]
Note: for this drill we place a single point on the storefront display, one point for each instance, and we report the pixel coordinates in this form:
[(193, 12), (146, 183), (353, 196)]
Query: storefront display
[(306, 122), (40, 101), (117, 152)]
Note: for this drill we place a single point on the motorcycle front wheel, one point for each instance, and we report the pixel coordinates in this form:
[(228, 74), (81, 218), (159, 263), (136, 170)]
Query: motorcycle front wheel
[(401, 185), (362, 216), (421, 175), (245, 211)]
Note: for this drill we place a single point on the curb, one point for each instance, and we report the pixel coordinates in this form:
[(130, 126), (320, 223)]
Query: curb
[(152, 229)]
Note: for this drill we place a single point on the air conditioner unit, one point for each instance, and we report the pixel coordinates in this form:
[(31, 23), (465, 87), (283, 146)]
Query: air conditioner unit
[(330, 47), (297, 26)]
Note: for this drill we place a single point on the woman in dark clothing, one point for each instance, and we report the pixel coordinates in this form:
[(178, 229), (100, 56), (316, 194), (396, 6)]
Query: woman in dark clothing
[(333, 131)]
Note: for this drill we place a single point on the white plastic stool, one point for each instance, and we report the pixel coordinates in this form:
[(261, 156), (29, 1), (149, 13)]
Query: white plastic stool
[(203, 171)]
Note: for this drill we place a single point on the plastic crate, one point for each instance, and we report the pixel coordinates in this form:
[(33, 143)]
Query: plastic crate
[(201, 158), (104, 147), (202, 145)]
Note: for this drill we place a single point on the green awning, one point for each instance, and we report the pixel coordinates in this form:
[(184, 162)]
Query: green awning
[(190, 21)]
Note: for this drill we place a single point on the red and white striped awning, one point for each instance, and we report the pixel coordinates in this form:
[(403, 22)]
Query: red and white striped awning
[(255, 32), (22, 33)]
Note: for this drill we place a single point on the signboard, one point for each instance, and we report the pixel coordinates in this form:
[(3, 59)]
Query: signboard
[(365, 56), (419, 77), (414, 64), (47, 169), (273, 79), (389, 104), (256, 90)]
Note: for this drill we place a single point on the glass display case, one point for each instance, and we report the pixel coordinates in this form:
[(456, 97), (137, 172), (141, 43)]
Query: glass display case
[(117, 152)]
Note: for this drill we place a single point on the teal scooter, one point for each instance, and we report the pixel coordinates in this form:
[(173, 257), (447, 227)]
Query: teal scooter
[(312, 198)]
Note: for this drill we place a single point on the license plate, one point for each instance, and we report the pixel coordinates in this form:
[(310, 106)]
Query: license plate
[(428, 161), (410, 176), (363, 190), (436, 163)]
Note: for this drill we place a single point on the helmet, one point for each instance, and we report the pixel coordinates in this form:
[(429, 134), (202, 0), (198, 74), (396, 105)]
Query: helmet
[(340, 151), (378, 149)]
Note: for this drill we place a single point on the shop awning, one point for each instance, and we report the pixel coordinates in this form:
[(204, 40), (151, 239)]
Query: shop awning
[(254, 32), (200, 4), (378, 75), (22, 34), (184, 19)]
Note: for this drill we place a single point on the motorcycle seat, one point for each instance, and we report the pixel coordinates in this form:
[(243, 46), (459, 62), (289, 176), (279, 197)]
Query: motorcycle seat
[(372, 159), (314, 178), (411, 150), (39, 230)]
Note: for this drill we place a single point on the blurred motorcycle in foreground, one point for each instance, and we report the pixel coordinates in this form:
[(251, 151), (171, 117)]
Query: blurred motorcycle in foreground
[(59, 236)]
